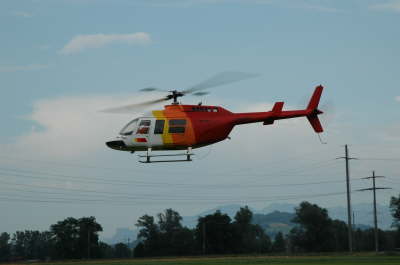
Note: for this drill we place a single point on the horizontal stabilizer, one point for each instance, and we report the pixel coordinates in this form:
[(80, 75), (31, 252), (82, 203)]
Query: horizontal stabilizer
[(275, 112)]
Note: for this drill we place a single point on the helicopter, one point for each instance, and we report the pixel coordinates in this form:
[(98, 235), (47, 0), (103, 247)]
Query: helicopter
[(186, 127)]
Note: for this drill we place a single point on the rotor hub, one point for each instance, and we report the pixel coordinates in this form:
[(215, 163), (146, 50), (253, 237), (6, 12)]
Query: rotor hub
[(175, 94)]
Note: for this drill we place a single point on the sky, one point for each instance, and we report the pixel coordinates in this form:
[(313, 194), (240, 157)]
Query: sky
[(61, 61)]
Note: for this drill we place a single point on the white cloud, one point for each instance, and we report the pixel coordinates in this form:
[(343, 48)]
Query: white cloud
[(82, 42), (22, 14), (392, 5), (71, 127), (16, 68), (397, 98)]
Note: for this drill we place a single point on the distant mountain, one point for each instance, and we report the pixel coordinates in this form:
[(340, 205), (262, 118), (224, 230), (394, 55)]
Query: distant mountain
[(274, 222), (281, 207), (363, 213)]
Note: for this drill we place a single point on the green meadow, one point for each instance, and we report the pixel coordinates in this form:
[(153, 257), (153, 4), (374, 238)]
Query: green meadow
[(313, 260)]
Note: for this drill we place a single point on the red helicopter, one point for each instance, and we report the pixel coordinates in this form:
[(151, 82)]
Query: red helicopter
[(185, 127)]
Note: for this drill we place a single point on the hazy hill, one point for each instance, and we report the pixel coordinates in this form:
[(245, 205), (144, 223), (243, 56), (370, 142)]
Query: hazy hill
[(274, 222)]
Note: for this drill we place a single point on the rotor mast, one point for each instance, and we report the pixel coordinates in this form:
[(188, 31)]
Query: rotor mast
[(174, 96)]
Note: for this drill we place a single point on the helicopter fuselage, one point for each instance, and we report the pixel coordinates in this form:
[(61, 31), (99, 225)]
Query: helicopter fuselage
[(179, 127)]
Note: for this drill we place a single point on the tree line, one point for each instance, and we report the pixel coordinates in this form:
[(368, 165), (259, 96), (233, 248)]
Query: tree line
[(67, 239), (217, 233)]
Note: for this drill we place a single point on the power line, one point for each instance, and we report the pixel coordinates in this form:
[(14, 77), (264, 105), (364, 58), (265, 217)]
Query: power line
[(380, 159), (89, 166), (124, 196), (82, 179), (296, 171), (129, 202)]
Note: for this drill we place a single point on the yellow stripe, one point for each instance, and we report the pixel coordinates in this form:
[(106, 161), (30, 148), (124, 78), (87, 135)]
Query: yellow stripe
[(166, 137)]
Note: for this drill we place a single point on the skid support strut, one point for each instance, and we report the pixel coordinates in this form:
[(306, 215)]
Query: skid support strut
[(188, 156)]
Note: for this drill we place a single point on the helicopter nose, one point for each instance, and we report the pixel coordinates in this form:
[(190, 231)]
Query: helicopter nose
[(116, 144)]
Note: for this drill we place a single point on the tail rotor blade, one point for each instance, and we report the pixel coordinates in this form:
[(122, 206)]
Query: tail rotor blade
[(329, 110)]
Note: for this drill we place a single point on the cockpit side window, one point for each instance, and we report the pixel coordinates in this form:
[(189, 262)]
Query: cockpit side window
[(144, 127), (128, 129)]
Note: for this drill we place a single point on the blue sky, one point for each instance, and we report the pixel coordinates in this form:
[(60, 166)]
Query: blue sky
[(57, 70)]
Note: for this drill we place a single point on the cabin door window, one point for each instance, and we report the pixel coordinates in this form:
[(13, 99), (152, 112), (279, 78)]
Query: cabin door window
[(159, 127), (177, 126)]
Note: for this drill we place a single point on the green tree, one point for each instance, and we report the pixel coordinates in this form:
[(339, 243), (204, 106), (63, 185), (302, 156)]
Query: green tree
[(88, 242), (166, 237), (340, 236), (395, 211), (248, 237), (76, 238), (169, 221), (5, 247), (105, 251), (66, 235), (149, 234), (279, 244), (148, 228), (174, 238), (122, 250), (183, 242), (139, 251), (244, 216), (32, 244), (215, 232), (314, 228)]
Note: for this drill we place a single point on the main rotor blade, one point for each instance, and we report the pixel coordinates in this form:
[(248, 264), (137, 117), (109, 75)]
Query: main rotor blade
[(151, 89), (219, 80), (134, 107)]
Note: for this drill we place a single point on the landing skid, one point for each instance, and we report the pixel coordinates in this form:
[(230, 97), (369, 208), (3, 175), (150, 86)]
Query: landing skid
[(188, 154)]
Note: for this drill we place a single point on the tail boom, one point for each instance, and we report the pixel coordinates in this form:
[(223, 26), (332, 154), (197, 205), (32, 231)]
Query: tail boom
[(277, 113)]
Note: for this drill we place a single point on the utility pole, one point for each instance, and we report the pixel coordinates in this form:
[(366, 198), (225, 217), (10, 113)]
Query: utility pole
[(349, 223), (374, 188)]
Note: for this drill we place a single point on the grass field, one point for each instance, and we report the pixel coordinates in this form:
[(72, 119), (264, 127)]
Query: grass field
[(317, 260)]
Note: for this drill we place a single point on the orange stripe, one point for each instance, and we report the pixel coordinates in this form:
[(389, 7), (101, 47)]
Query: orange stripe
[(188, 138)]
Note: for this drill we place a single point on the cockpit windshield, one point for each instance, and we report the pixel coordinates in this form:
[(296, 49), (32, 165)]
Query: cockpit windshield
[(128, 129)]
